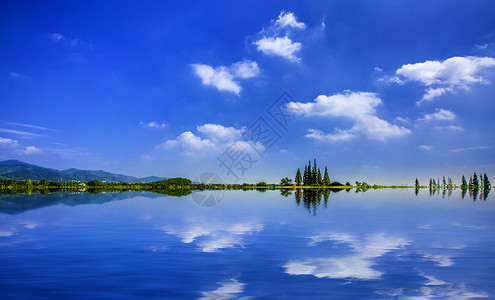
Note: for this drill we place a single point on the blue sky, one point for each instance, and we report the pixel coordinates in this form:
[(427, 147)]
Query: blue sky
[(381, 91)]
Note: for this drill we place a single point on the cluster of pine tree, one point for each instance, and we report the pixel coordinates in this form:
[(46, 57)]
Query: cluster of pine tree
[(312, 176), (444, 184), (475, 186)]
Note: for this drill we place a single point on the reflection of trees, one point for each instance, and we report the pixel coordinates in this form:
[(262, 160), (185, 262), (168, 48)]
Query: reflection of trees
[(285, 192), (312, 198)]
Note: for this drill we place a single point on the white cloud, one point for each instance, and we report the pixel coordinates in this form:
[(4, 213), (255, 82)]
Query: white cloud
[(358, 265), (356, 106), (245, 69), (425, 147), (449, 75), (56, 37), (213, 237), (472, 148), (15, 147), (20, 132), (29, 126), (439, 114), (280, 46), (433, 281), (227, 290), (275, 39), (440, 260), (30, 150), (223, 78), (339, 135), (153, 124), (218, 132), (288, 19), (450, 127), (215, 138)]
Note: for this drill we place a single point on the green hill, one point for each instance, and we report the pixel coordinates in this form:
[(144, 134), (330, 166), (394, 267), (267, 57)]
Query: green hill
[(18, 170)]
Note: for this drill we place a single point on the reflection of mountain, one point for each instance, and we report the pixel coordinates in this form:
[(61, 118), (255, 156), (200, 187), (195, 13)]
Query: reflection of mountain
[(312, 198), (18, 203)]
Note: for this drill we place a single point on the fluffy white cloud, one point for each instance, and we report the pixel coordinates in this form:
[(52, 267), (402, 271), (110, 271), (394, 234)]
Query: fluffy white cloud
[(15, 147), (288, 19), (223, 78), (213, 237), (215, 138), (449, 75), (153, 124), (245, 69), (425, 147), (227, 290), (439, 114), (356, 106), (220, 78), (280, 46), (358, 265), (275, 39), (218, 132)]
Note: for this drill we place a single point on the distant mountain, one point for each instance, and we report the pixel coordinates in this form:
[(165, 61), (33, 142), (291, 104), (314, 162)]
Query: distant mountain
[(18, 170)]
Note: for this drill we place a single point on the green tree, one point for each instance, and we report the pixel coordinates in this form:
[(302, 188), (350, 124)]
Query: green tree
[(315, 174), (326, 179), (310, 174), (298, 177), (486, 183), (286, 181), (305, 176), (416, 183), (320, 180), (463, 183), (476, 183)]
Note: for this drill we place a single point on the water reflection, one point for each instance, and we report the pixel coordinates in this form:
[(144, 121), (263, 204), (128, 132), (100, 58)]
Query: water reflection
[(357, 265), (312, 198), (211, 235), (21, 202)]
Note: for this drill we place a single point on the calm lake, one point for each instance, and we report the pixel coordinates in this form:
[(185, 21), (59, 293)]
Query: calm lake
[(378, 244)]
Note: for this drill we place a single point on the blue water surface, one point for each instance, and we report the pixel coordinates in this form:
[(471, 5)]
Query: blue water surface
[(378, 244)]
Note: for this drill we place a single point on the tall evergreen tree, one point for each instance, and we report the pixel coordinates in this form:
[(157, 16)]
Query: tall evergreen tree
[(315, 173), (430, 184), (305, 176), (416, 183), (444, 182), (486, 183), (326, 179), (470, 184), (298, 178), (463, 183), (476, 183), (310, 174), (320, 180), (434, 184)]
